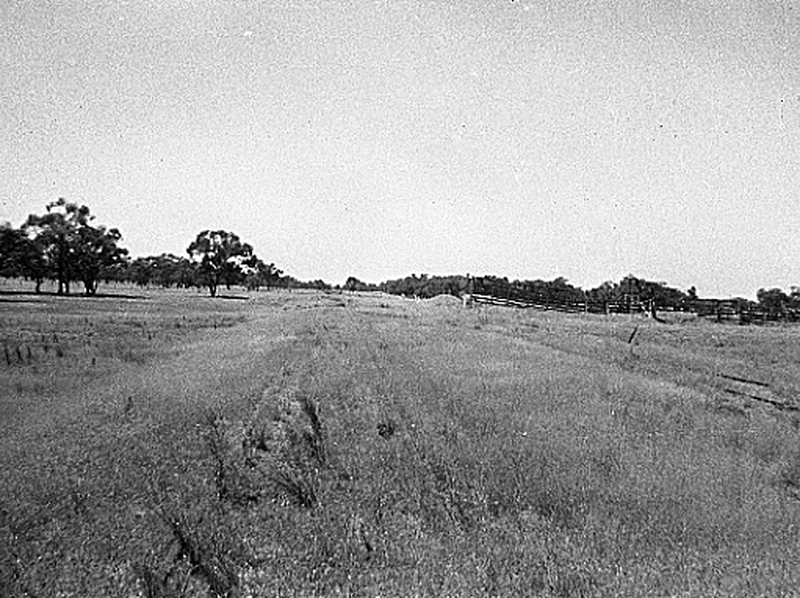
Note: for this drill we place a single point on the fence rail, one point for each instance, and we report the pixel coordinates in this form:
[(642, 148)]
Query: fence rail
[(594, 307), (736, 311)]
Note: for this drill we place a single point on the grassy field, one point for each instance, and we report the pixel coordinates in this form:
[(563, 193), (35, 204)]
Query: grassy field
[(163, 443)]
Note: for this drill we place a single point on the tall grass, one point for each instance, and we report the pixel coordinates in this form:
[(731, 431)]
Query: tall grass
[(368, 446)]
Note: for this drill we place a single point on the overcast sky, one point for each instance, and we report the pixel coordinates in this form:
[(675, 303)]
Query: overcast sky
[(531, 139)]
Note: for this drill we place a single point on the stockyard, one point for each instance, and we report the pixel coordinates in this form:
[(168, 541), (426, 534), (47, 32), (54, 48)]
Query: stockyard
[(163, 443)]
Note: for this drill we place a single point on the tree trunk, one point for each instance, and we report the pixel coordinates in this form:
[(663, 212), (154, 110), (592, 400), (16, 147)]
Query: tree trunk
[(63, 267)]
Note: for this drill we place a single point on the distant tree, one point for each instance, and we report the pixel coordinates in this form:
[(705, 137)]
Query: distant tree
[(21, 256), (32, 262), (353, 284), (289, 282), (258, 274), (63, 244), (445, 285), (95, 253), (599, 298), (235, 270), (320, 285), (56, 233), (662, 296), (774, 301), (140, 271), (118, 271), (271, 275), (168, 270), (421, 284), (794, 298), (561, 291), (219, 257), (10, 242), (629, 288), (165, 270), (185, 274), (605, 293)]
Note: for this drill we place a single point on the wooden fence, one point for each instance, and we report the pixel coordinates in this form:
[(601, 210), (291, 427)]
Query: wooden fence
[(593, 307), (729, 310)]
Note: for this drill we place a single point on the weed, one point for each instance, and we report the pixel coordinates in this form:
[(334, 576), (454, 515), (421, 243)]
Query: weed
[(310, 436), (230, 480), (296, 485)]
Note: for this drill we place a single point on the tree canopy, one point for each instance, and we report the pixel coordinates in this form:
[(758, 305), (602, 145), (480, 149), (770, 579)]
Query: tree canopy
[(221, 258), (65, 245), (62, 244)]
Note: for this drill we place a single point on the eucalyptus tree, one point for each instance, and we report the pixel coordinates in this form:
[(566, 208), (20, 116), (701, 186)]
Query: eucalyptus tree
[(96, 251), (10, 242), (220, 257), (69, 248), (56, 233)]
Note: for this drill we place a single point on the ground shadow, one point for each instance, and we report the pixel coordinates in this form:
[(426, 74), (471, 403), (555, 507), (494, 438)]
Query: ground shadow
[(30, 296)]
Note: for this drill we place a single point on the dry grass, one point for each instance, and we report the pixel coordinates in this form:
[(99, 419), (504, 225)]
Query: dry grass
[(314, 444)]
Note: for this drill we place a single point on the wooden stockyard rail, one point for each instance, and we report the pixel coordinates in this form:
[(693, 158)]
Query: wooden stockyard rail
[(564, 306), (735, 311)]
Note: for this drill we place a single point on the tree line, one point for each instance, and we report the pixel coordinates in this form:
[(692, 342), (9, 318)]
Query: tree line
[(65, 245)]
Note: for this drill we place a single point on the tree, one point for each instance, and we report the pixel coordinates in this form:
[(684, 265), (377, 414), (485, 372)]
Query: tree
[(165, 270), (96, 252), (604, 292), (70, 248), (774, 301), (171, 270), (140, 271), (56, 233), (354, 284), (794, 298), (32, 262), (184, 274), (10, 241), (257, 273), (63, 244), (220, 256), (21, 256)]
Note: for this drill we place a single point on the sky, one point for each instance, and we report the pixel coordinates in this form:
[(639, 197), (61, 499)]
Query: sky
[(529, 138)]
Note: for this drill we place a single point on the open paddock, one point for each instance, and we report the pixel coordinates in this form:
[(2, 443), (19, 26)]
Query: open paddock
[(163, 443)]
